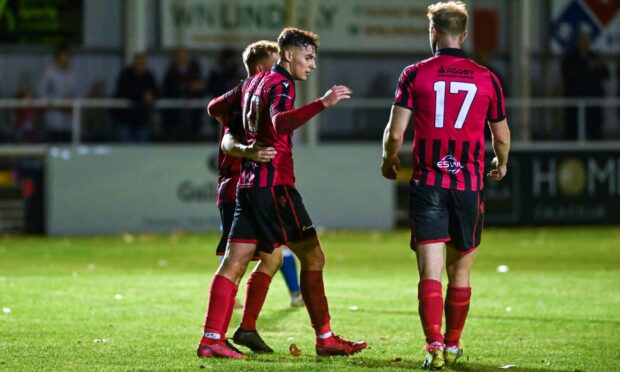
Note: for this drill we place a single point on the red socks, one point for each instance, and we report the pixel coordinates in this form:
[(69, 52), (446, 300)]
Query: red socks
[(431, 309), (313, 293), (257, 288), (231, 303), (457, 306), (221, 305)]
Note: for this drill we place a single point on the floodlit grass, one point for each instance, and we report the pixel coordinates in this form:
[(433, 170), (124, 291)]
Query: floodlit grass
[(137, 303)]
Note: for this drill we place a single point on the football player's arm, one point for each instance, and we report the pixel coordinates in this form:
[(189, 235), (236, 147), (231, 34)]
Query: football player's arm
[(393, 140), (232, 146), (500, 137), (287, 121), (222, 105)]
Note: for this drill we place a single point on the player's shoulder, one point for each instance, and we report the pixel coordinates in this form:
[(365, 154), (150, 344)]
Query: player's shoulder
[(480, 68), (410, 71), (276, 78), (422, 65), (484, 72)]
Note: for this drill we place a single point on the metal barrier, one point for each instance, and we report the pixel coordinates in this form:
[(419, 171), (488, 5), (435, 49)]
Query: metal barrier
[(77, 105)]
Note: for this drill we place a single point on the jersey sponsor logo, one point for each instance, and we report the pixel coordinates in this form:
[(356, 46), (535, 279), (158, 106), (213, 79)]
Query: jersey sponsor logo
[(306, 228), (454, 70), (450, 164)]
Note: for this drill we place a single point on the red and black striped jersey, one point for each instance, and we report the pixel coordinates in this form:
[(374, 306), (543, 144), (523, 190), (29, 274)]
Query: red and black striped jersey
[(452, 98), (265, 96), (228, 108)]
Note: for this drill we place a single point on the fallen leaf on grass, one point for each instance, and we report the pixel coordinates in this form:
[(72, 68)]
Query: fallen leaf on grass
[(294, 350)]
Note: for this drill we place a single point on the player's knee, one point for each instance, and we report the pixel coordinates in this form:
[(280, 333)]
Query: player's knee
[(270, 263), (315, 258), (232, 268)]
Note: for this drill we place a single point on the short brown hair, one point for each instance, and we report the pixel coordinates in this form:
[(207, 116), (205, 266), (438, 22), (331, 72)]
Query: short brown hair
[(255, 52), (448, 17), (292, 36)]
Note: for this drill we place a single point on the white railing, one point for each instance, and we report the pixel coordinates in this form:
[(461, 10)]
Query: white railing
[(77, 105)]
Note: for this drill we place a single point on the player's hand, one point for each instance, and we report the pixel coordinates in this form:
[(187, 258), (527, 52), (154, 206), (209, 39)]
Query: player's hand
[(390, 167), (335, 94), (260, 154), (499, 172)]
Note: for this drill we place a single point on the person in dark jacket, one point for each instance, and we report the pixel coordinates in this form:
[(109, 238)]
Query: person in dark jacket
[(584, 73), (137, 84), (183, 80)]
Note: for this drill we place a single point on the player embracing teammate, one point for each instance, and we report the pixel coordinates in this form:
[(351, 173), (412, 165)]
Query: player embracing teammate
[(269, 211), (452, 98)]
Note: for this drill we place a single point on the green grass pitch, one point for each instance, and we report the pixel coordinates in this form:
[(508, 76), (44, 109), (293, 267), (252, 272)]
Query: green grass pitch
[(137, 303)]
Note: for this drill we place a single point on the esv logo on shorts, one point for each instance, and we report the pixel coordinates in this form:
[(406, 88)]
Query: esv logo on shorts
[(449, 163)]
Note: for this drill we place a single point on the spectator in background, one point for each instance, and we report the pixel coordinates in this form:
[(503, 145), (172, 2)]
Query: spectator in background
[(223, 77), (226, 74), (58, 82), (96, 122), (26, 117), (583, 73), (183, 80), (137, 84), (618, 89)]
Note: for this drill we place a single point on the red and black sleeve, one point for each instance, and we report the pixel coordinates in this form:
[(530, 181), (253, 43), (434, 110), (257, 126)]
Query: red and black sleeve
[(284, 116), (224, 104), (497, 109), (404, 91)]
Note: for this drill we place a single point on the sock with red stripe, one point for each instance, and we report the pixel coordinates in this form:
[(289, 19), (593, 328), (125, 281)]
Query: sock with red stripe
[(219, 310), (431, 309), (313, 293), (457, 307), (256, 292)]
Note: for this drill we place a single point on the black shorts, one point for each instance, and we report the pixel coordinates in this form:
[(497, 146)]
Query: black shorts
[(274, 215), (227, 212), (445, 215)]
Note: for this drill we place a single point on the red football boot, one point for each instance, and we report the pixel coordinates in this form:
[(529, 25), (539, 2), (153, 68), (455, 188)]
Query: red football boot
[(335, 345), (218, 349)]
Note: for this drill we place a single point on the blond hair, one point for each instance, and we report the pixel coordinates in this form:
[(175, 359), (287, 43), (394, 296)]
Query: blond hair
[(448, 17), (256, 52)]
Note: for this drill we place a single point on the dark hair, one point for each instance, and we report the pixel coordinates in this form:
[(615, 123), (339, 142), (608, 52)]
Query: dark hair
[(292, 36), (61, 48)]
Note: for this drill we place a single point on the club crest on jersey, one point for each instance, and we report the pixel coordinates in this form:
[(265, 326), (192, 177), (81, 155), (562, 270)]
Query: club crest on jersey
[(450, 164)]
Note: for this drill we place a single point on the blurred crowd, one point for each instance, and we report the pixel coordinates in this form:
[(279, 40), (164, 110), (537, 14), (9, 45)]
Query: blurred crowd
[(584, 73), (140, 123)]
